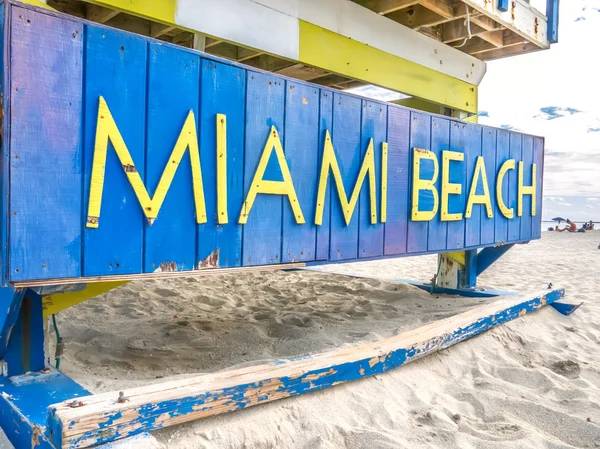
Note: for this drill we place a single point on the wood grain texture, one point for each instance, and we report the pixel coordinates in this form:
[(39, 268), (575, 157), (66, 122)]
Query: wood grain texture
[(102, 418)]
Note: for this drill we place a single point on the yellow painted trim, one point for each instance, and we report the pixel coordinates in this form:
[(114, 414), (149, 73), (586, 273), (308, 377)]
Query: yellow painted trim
[(384, 177), (106, 129), (508, 165), (526, 190), (158, 10), (424, 184), (222, 217), (457, 256), (449, 188), (330, 161), (56, 302), (259, 185), (37, 3), (479, 199), (325, 49)]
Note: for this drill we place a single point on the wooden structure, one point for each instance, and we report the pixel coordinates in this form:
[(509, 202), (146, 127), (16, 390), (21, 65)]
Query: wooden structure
[(127, 157)]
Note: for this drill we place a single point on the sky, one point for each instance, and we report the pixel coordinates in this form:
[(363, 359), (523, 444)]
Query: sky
[(555, 94)]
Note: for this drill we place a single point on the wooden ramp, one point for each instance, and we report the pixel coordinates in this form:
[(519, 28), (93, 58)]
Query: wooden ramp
[(91, 420)]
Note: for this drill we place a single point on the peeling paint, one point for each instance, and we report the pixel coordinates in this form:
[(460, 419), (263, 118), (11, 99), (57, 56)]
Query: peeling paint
[(212, 261)]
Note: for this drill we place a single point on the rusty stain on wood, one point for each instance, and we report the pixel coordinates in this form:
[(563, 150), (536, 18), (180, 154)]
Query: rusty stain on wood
[(212, 261)]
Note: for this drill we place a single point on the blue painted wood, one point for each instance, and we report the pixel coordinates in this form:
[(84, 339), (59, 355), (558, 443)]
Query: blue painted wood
[(4, 143), (325, 124), (440, 141), (298, 376), (503, 5), (173, 91), (264, 108), (502, 155), (223, 92), (374, 126), (45, 193), (564, 308), (472, 151), (25, 349), (301, 150), (527, 158), (552, 7), (470, 276), (396, 226), (115, 68), (487, 256), (538, 159), (458, 175), (420, 137), (514, 225), (10, 305), (346, 142), (488, 151)]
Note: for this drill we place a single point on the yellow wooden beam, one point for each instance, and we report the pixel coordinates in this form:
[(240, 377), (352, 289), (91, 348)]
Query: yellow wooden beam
[(56, 302), (337, 54), (158, 10)]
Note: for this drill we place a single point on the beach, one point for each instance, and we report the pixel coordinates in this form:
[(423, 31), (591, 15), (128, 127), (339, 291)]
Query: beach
[(532, 383)]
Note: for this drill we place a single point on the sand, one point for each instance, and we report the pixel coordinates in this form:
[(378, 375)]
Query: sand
[(533, 383)]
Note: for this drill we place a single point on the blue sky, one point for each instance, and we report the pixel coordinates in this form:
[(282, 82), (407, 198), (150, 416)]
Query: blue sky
[(554, 94)]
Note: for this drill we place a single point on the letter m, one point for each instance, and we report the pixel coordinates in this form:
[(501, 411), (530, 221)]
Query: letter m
[(106, 128)]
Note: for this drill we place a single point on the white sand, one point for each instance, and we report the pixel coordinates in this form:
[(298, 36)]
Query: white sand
[(533, 383)]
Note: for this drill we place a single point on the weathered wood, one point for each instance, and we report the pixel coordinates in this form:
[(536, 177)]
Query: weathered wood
[(416, 17), (495, 38), (101, 418), (508, 51), (99, 14), (158, 29), (386, 6)]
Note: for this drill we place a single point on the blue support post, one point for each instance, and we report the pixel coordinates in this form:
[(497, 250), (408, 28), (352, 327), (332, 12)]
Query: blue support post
[(552, 14), (471, 262), (503, 5), (10, 301), (487, 256)]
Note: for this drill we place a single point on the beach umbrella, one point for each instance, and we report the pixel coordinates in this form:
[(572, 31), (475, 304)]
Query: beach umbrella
[(559, 219)]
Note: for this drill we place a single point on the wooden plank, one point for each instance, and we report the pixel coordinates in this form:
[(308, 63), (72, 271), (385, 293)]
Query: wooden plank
[(483, 21), (457, 31), (325, 124), (265, 99), (223, 92), (527, 158), (345, 136), (416, 17), (420, 137), (507, 51), (100, 14), (301, 148), (129, 23), (302, 72), (458, 175), (514, 225), (495, 38), (124, 57), (472, 152), (502, 155), (538, 160), (488, 152), (440, 141), (374, 126), (386, 6), (45, 146), (158, 29), (102, 417), (243, 54), (397, 186), (173, 91), (153, 276), (475, 45)]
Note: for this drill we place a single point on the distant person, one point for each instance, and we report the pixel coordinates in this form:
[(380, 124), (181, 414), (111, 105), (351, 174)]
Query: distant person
[(590, 226), (571, 227)]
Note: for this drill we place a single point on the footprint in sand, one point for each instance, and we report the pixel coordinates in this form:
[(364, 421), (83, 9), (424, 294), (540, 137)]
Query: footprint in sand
[(566, 368)]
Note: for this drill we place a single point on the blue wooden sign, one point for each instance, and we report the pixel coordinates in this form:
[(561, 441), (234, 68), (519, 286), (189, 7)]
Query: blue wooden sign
[(125, 155)]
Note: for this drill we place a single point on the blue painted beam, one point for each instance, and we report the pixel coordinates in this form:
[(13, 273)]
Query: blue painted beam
[(552, 7), (471, 263), (102, 418), (10, 301), (488, 256), (503, 5)]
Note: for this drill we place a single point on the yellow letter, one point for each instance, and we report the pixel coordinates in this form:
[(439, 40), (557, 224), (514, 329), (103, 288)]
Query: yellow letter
[(384, 169), (508, 165), (526, 190), (259, 185), (106, 128), (447, 187), (329, 160), (424, 184), (222, 169), (479, 199)]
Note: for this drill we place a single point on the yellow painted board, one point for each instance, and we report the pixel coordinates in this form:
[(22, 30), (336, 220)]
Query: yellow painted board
[(39, 3), (56, 302), (338, 54), (458, 256), (158, 10)]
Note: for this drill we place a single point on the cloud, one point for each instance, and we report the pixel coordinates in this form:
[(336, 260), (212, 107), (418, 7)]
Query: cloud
[(509, 127), (554, 112), (593, 200), (593, 130)]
